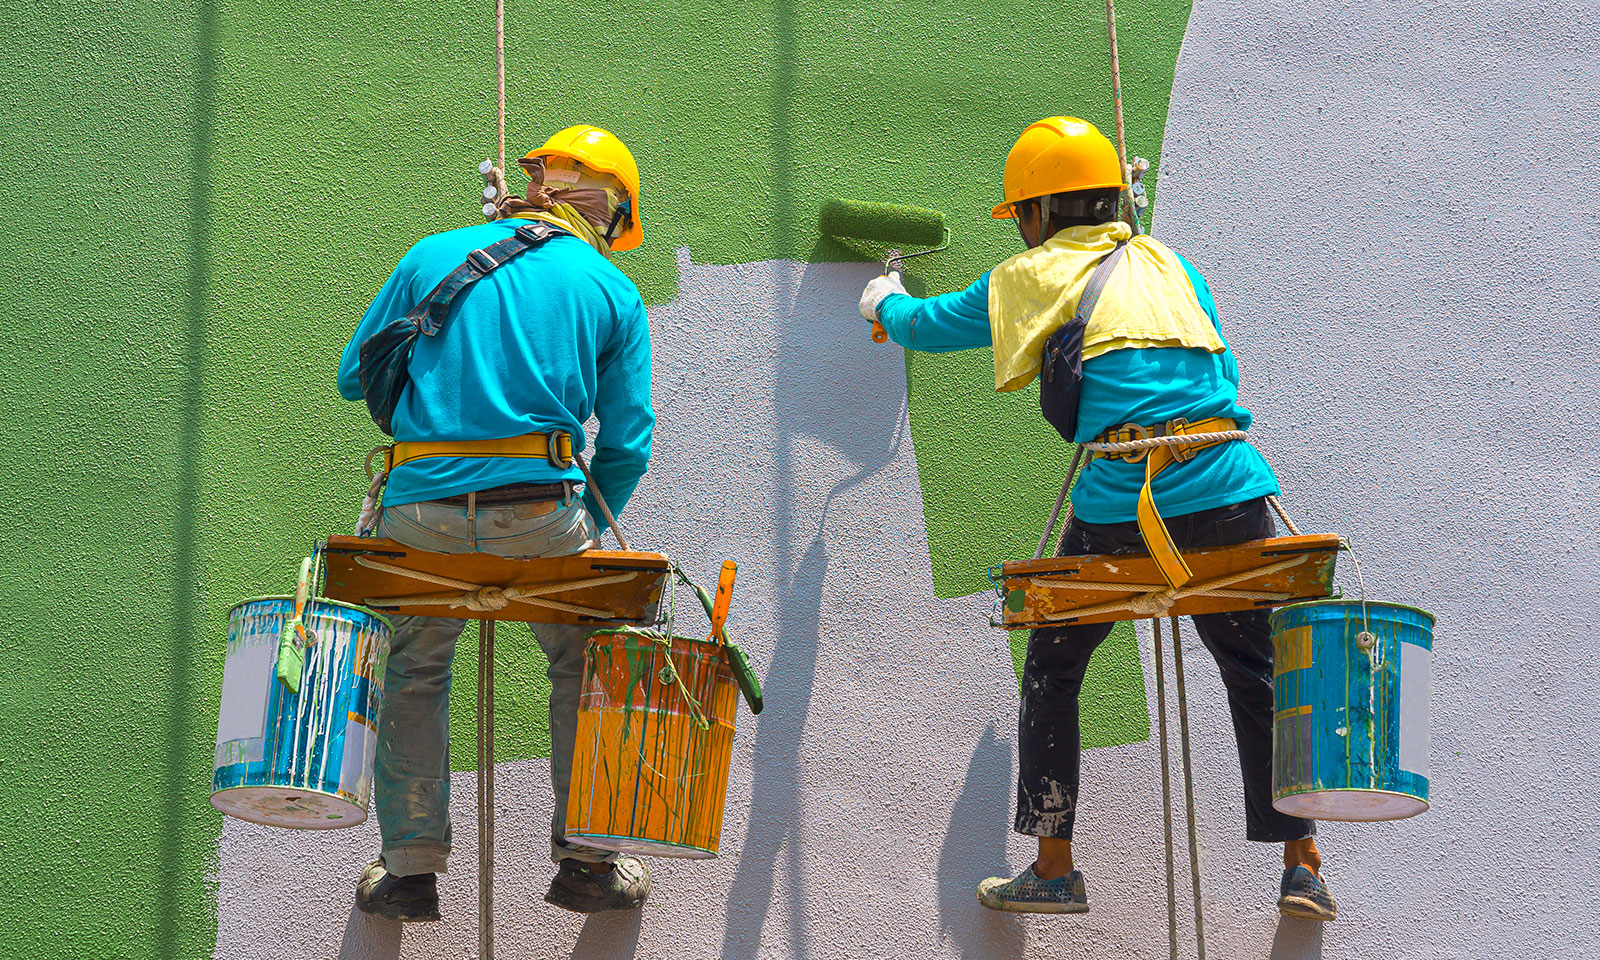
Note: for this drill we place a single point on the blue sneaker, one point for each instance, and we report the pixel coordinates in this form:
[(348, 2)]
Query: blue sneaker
[(1029, 894), (1303, 895)]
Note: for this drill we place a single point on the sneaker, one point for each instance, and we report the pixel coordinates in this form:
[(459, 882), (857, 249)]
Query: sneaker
[(1303, 895), (406, 899), (582, 888), (1029, 894)]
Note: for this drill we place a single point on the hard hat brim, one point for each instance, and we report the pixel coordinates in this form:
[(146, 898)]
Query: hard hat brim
[(1007, 211)]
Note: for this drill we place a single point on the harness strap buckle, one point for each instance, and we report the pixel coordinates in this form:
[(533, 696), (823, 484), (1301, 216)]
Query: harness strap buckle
[(1181, 452), (1127, 433), (558, 458), (482, 261)]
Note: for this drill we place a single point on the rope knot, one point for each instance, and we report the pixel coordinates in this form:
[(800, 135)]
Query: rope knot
[(487, 599), (1152, 604)]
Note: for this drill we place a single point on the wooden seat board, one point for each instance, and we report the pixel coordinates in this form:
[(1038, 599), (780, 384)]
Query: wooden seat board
[(1046, 593), (635, 600)]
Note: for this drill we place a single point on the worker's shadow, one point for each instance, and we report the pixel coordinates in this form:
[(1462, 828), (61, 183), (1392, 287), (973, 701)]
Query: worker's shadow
[(974, 848), (838, 397), (1296, 940)]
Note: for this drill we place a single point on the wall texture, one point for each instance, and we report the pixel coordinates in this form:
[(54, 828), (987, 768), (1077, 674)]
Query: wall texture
[(201, 197)]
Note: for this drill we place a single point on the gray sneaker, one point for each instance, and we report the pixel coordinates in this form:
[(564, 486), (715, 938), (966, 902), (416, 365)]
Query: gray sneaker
[(587, 888), (1029, 894), (1304, 896), (406, 899)]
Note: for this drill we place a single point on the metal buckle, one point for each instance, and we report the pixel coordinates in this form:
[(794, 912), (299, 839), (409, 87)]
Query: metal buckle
[(482, 262), (1129, 432), (1181, 452), (553, 449)]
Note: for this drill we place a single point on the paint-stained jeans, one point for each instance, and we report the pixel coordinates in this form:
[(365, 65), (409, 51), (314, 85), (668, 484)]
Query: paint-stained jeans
[(1058, 657), (412, 774)]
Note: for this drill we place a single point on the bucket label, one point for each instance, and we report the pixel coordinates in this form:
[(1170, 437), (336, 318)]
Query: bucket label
[(1416, 684)]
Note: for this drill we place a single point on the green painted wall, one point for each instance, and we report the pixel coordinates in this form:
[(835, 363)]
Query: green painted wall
[(198, 202)]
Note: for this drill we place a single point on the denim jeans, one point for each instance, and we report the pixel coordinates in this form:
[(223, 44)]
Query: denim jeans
[(412, 770), (1048, 743)]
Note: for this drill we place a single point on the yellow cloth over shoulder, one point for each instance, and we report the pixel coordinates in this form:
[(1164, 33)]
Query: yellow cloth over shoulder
[(1147, 302)]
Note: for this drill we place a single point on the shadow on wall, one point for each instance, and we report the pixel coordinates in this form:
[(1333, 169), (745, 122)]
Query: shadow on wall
[(1296, 940), (178, 728), (978, 834), (828, 389)]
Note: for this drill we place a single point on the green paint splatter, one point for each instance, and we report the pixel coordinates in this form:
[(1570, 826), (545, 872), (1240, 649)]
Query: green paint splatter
[(1112, 709)]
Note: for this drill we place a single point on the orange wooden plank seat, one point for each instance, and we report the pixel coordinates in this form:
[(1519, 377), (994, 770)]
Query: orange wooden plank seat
[(600, 586), (1056, 591)]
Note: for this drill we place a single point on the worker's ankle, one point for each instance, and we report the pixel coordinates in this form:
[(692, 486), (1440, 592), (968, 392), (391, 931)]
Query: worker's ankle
[(1302, 853), (1053, 868)]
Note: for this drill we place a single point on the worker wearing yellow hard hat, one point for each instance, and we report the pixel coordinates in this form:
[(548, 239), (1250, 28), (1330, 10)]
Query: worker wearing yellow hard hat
[(1123, 335), (534, 331)]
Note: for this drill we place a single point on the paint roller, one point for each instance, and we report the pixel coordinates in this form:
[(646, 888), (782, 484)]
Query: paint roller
[(891, 223)]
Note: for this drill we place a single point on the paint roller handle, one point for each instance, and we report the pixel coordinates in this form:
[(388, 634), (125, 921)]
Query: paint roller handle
[(879, 334), (719, 607)]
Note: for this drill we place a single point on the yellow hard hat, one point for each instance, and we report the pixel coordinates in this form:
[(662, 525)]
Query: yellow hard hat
[(1056, 155), (604, 153)]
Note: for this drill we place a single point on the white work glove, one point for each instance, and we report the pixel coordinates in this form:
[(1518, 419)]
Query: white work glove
[(876, 291)]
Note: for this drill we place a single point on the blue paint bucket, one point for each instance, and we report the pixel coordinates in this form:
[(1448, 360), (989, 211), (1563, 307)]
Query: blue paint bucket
[(300, 759), (1350, 725)]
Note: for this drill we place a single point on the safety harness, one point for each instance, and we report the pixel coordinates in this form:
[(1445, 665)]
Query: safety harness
[(1124, 443), (385, 372)]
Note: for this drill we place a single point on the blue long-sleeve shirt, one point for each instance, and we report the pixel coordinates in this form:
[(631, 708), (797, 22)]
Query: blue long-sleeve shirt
[(1146, 386), (540, 344)]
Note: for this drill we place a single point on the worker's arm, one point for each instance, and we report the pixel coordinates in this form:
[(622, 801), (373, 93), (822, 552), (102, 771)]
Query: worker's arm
[(392, 302), (951, 321), (622, 405)]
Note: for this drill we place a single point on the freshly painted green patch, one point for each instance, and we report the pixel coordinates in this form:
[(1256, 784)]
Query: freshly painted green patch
[(1112, 709), (198, 203)]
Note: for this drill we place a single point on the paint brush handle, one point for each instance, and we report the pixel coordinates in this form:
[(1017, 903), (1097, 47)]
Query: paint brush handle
[(724, 599)]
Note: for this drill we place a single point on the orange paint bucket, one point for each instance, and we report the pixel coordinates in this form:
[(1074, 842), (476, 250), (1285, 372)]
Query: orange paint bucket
[(653, 746)]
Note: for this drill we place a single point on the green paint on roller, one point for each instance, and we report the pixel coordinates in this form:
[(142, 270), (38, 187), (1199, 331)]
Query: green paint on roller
[(882, 222)]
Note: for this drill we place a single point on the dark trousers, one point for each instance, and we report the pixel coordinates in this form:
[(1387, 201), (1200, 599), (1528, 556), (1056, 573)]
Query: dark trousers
[(1052, 676)]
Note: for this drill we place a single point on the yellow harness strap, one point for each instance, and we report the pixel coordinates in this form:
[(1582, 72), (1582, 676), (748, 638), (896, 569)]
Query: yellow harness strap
[(1156, 459), (555, 446)]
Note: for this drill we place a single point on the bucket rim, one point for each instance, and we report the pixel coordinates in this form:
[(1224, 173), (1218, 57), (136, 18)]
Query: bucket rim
[(1355, 602), (312, 600)]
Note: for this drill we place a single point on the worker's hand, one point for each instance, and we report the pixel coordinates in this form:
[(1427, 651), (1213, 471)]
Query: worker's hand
[(877, 290)]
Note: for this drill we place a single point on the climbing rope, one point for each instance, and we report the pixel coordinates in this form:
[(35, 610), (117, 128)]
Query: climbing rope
[(1166, 794), (1116, 101), (486, 790), (1188, 793)]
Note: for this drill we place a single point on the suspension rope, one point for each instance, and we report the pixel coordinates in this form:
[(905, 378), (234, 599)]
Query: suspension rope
[(1116, 101), (500, 64), (1066, 487), (1188, 794), (1166, 794), (486, 789)]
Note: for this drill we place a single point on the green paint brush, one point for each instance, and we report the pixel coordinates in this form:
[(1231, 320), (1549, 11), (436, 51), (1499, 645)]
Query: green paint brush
[(886, 223)]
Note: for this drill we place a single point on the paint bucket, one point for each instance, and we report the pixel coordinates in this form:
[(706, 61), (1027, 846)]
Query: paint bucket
[(1350, 727), (300, 759), (653, 746)]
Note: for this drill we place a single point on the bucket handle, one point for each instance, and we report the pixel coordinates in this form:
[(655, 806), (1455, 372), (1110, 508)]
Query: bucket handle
[(1366, 639)]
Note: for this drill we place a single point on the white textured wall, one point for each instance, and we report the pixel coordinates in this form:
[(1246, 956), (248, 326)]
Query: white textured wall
[(1394, 207)]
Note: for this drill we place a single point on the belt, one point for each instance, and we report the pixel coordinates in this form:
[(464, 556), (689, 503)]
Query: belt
[(1156, 459), (514, 493), (555, 446)]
